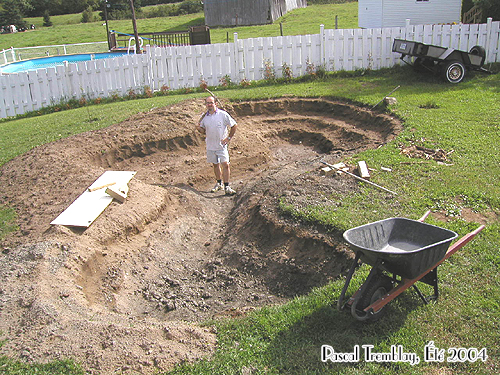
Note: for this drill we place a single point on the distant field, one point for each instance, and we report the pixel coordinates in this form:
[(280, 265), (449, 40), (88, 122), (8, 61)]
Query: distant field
[(67, 29)]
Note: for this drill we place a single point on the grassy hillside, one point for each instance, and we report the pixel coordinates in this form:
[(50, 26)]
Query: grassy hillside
[(66, 29)]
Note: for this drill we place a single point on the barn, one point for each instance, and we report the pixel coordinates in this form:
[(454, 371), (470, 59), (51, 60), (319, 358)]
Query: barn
[(393, 13), (247, 12)]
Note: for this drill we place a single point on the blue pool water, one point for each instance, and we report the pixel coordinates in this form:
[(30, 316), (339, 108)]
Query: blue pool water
[(46, 62)]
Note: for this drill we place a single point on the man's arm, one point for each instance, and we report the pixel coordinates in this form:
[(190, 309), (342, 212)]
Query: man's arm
[(225, 141), (199, 127), (232, 131)]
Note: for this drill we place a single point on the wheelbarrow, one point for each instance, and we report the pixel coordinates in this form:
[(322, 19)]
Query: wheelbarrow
[(401, 252)]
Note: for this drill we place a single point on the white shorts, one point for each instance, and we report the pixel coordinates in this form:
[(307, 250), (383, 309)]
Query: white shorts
[(218, 156)]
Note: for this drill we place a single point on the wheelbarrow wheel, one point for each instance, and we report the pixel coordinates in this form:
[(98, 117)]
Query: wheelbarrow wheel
[(378, 287), (453, 71)]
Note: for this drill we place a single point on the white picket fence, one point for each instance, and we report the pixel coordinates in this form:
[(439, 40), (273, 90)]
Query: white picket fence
[(187, 66)]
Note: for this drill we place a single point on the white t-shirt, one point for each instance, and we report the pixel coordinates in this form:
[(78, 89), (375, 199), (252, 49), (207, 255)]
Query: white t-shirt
[(217, 127)]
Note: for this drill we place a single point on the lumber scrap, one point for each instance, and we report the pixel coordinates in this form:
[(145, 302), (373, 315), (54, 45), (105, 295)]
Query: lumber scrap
[(120, 194), (362, 179), (363, 170), (334, 169), (95, 188), (327, 171)]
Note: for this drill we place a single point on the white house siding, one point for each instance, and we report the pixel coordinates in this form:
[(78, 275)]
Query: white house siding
[(370, 13), (393, 13)]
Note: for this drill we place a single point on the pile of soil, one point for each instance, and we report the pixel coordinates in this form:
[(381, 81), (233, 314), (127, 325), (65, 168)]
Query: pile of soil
[(128, 293)]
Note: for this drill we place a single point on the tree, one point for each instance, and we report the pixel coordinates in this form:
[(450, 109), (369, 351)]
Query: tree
[(12, 13), (37, 8), (46, 19), (190, 6), (77, 6), (156, 2), (120, 9), (87, 15), (490, 9)]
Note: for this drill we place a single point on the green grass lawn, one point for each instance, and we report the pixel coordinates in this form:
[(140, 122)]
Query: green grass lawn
[(66, 29), (287, 339)]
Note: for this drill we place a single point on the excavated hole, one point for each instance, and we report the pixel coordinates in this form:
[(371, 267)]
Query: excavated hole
[(173, 251), (257, 257)]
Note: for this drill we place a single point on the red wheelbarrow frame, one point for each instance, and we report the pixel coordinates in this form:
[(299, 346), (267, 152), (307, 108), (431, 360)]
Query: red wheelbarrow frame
[(429, 277)]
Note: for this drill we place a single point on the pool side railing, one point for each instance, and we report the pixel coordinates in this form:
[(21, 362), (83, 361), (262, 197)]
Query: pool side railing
[(14, 54)]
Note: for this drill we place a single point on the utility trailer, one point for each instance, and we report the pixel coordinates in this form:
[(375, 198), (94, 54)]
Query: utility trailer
[(450, 63)]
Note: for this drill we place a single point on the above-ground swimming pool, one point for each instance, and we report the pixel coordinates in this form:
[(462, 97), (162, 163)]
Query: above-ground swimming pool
[(47, 62)]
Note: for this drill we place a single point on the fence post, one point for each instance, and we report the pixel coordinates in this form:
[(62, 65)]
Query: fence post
[(322, 44), (13, 53), (236, 58), (407, 26), (488, 37)]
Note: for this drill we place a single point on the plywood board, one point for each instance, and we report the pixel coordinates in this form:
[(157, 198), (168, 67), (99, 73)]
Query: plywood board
[(88, 206)]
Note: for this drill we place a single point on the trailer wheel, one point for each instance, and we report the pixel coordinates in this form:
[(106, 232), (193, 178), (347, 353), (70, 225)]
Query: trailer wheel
[(479, 51), (453, 71), (378, 287)]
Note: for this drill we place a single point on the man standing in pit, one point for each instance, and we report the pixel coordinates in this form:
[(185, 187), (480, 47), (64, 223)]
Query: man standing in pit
[(219, 127)]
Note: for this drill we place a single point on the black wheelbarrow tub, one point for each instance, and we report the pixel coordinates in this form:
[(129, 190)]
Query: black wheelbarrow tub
[(400, 246)]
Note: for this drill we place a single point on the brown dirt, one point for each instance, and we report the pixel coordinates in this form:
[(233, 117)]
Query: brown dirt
[(128, 293)]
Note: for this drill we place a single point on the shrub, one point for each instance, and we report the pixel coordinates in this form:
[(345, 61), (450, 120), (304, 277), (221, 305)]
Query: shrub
[(148, 93), (269, 73), (245, 82), (88, 15), (225, 81), (203, 84), (287, 72), (46, 19)]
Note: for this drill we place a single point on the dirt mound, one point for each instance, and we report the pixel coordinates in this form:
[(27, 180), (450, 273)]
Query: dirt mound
[(126, 294)]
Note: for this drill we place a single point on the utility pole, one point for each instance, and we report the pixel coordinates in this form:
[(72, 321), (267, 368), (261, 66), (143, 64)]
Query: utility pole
[(134, 24), (106, 5)]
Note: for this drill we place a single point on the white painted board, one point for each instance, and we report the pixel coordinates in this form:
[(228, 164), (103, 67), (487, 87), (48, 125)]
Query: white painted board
[(88, 206)]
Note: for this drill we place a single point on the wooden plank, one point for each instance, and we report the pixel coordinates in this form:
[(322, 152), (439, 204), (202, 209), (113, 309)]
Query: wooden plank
[(118, 193), (327, 171), (363, 170), (88, 206)]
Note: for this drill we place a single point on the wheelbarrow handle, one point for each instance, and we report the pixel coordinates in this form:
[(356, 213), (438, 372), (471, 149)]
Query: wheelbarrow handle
[(461, 243), (424, 216)]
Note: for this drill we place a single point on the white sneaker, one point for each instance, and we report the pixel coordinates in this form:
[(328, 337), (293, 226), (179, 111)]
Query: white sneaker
[(229, 191), (217, 187)]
